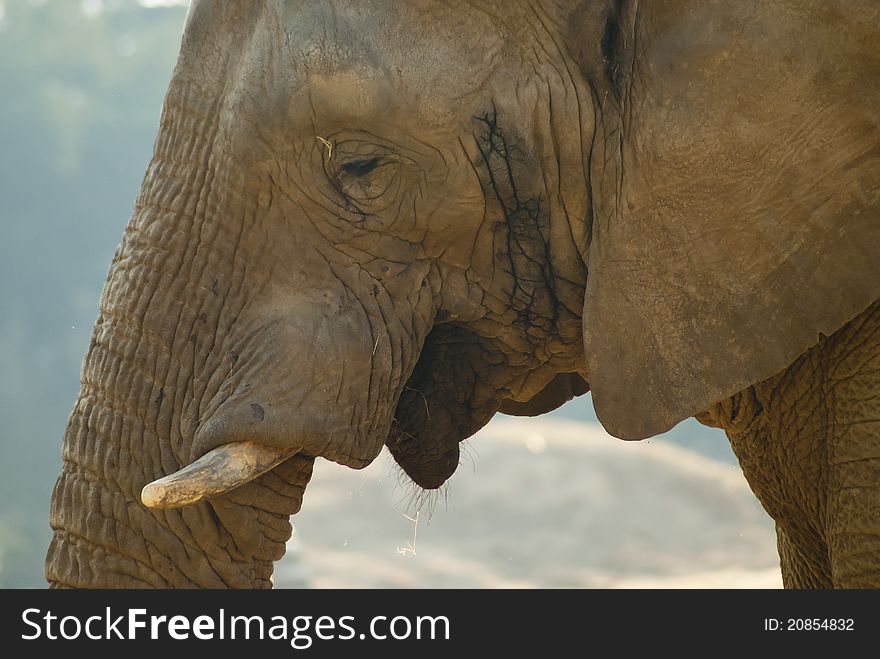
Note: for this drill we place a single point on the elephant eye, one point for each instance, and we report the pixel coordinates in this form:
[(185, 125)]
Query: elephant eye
[(360, 167), (365, 175)]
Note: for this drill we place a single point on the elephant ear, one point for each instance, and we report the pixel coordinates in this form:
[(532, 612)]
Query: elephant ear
[(738, 214), (558, 391)]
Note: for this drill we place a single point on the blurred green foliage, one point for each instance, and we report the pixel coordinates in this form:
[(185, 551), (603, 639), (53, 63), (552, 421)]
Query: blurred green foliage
[(81, 86)]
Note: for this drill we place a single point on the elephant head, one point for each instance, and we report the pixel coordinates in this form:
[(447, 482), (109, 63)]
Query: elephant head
[(379, 223)]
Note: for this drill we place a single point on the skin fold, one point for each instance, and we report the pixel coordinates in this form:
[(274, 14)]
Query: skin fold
[(380, 223)]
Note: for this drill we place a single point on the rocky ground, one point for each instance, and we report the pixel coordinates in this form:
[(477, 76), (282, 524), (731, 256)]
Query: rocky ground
[(537, 503)]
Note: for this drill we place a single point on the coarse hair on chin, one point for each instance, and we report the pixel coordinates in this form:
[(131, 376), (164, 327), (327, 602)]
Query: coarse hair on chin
[(414, 498)]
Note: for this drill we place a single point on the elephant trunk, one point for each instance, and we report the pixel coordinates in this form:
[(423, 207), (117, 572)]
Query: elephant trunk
[(134, 421), (160, 354), (151, 367)]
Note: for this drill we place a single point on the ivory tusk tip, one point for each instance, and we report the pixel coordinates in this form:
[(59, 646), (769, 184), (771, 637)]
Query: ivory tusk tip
[(217, 472), (151, 496), (156, 495)]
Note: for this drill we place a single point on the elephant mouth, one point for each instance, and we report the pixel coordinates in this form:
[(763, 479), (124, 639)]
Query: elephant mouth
[(446, 399)]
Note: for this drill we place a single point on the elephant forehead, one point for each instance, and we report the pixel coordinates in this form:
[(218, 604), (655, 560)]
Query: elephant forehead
[(364, 56), (286, 67)]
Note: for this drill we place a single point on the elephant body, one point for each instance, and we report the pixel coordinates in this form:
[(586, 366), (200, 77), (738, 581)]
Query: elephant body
[(380, 223)]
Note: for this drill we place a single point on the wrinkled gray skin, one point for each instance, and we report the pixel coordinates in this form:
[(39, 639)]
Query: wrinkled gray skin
[(372, 223)]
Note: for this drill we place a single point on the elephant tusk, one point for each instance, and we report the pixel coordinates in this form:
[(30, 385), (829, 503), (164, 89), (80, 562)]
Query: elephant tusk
[(219, 470)]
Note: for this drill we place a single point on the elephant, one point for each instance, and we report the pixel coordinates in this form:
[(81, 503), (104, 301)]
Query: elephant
[(379, 223)]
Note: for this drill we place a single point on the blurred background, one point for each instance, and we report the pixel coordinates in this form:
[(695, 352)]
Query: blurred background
[(542, 502)]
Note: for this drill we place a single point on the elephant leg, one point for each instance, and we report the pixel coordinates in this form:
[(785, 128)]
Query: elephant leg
[(853, 508), (802, 562), (808, 441)]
